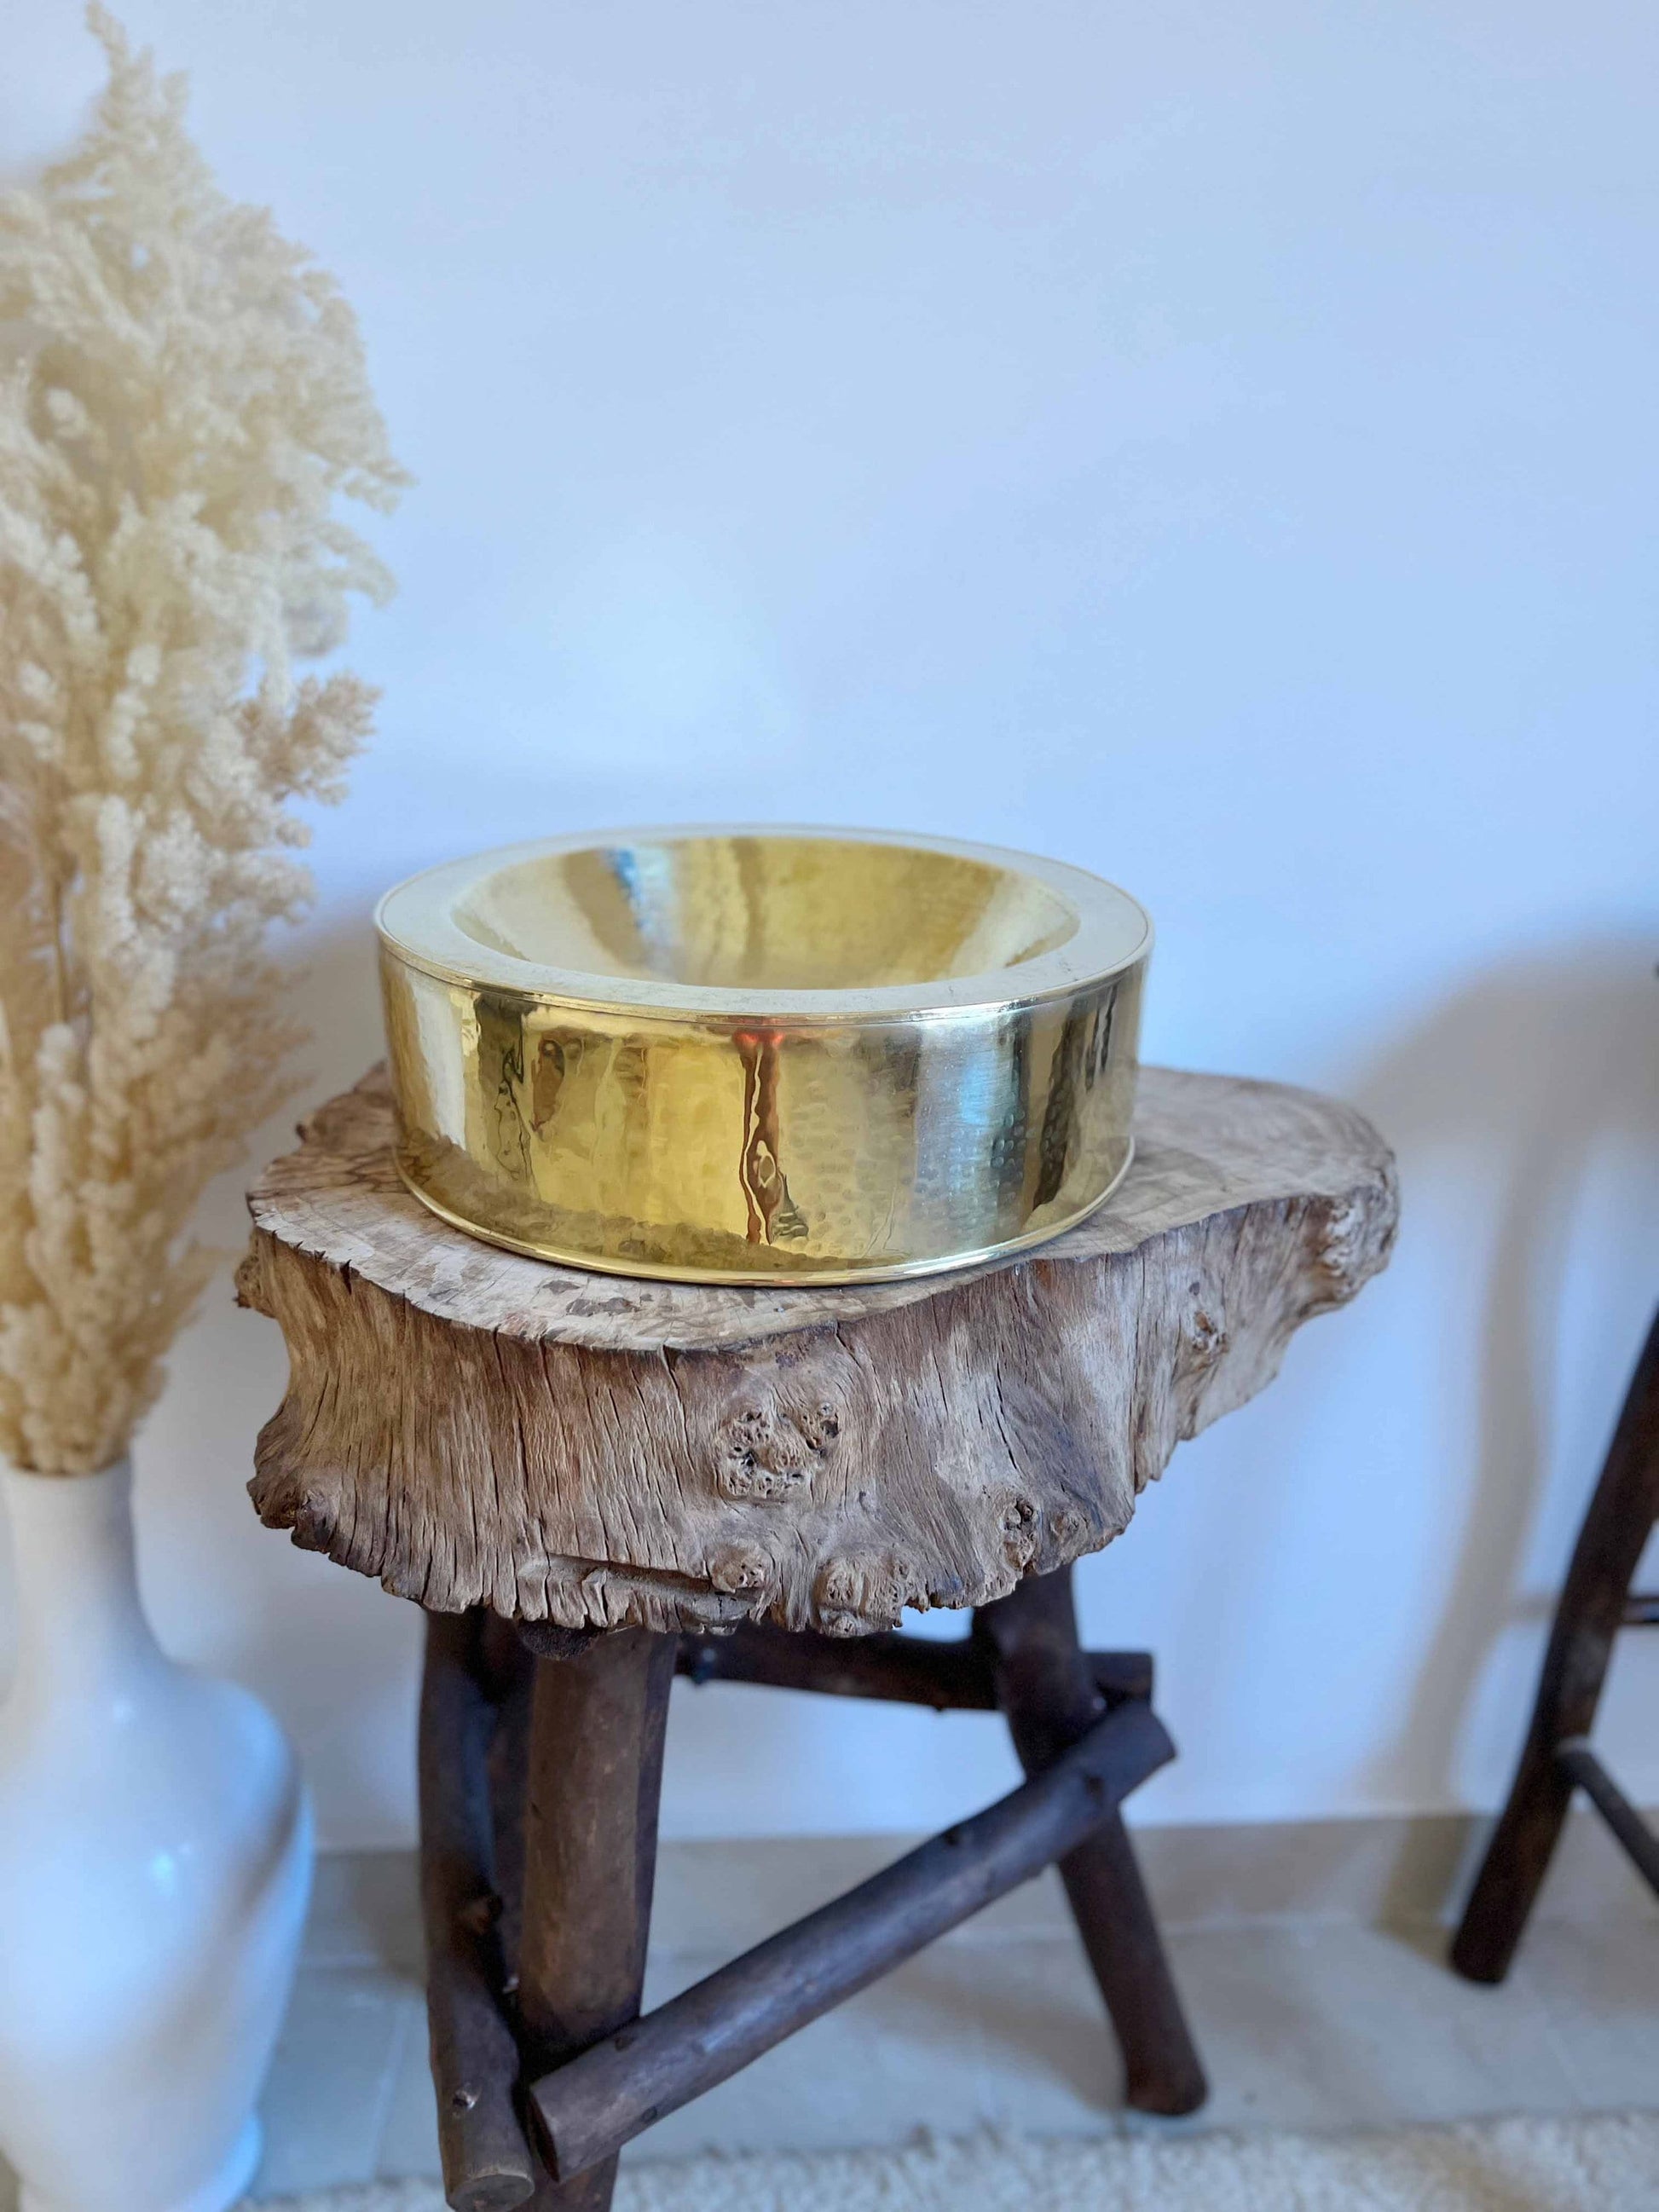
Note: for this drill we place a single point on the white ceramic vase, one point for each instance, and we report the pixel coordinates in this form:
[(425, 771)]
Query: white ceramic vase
[(155, 1848)]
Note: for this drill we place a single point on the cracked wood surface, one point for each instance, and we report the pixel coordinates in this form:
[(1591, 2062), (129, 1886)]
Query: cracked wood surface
[(472, 1426)]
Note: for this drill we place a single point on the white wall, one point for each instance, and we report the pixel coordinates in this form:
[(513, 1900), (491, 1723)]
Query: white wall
[(1210, 442)]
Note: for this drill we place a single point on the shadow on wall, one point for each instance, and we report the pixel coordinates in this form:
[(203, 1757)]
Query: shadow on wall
[(1528, 1078), (1535, 1069)]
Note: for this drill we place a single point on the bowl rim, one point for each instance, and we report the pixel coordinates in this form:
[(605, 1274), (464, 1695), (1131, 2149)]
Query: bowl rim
[(415, 923)]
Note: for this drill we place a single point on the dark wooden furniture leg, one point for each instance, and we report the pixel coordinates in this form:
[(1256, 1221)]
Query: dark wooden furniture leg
[(488, 2164), (1595, 1604), (537, 1861), (608, 2093), (590, 1853), (1047, 1690)]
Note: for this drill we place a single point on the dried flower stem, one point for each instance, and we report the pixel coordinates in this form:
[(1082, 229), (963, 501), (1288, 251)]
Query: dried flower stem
[(182, 398)]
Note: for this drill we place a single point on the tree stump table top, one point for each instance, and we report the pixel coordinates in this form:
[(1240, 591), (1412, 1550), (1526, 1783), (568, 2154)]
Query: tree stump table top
[(475, 1428)]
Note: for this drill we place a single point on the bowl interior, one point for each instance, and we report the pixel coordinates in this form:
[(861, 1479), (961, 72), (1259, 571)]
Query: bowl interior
[(757, 912)]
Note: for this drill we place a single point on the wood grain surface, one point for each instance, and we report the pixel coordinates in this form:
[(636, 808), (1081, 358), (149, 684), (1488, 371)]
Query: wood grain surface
[(472, 1427)]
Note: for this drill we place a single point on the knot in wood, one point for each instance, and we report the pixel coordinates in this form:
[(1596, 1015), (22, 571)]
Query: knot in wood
[(1067, 1525), (763, 1452), (1022, 1531), (473, 1427), (737, 1569), (858, 1595), (1207, 1339), (1357, 1236)]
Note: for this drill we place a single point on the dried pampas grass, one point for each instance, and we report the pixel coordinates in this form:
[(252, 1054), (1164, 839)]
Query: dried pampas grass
[(182, 398)]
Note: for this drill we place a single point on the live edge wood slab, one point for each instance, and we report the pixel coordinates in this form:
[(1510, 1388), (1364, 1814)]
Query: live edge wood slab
[(476, 1429)]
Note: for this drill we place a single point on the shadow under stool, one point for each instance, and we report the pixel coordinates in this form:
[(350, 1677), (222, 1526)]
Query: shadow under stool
[(593, 1484), (1596, 1603)]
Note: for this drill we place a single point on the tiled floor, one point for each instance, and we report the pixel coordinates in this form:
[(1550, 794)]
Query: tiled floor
[(1320, 2021), (1327, 2016)]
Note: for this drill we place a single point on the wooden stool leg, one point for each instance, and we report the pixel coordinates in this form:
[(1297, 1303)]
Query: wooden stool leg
[(1044, 1687), (1610, 1544), (590, 1846)]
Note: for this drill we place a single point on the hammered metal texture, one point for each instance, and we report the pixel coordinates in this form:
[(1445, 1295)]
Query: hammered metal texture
[(762, 1057)]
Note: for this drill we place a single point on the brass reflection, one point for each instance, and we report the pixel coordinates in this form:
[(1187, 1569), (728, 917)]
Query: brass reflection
[(762, 1057)]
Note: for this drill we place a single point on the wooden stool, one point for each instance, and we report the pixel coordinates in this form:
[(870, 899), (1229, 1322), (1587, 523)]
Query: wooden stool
[(1596, 1603), (592, 1484)]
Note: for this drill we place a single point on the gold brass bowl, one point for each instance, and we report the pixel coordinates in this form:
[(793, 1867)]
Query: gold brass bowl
[(761, 1055)]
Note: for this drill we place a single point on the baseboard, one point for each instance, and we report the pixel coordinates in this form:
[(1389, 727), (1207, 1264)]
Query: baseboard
[(724, 1896)]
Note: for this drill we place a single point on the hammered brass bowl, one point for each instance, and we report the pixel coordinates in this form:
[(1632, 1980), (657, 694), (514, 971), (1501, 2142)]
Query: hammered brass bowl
[(761, 1055)]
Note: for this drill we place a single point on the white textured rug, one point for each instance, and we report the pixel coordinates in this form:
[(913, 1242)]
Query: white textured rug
[(1601, 2162)]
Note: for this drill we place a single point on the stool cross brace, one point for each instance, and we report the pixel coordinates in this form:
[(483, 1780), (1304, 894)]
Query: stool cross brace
[(539, 1774)]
